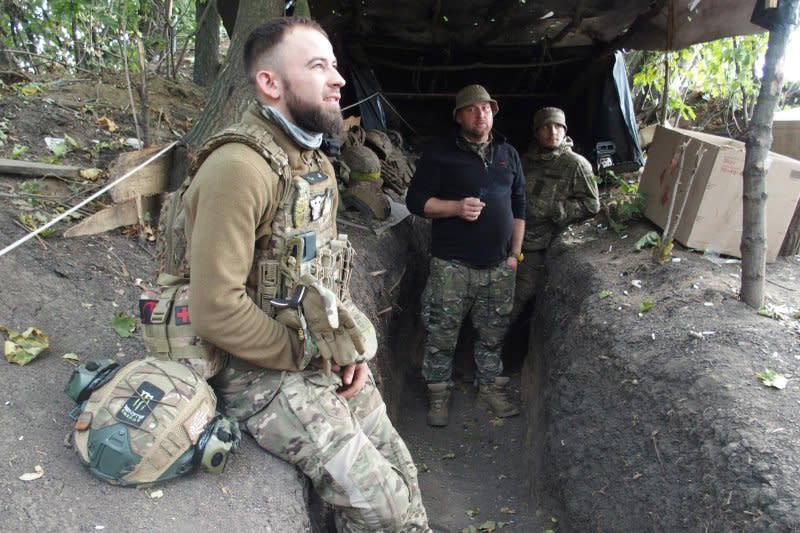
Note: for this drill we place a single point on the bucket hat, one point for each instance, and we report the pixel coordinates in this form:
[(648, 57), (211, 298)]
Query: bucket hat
[(472, 94)]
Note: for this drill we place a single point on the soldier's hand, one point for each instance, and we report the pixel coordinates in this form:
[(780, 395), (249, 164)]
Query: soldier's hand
[(354, 377), (470, 208)]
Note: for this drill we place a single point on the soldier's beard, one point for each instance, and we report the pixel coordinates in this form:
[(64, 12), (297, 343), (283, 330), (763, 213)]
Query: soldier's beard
[(314, 118)]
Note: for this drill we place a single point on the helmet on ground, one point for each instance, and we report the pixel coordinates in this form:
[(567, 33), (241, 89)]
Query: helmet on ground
[(149, 421)]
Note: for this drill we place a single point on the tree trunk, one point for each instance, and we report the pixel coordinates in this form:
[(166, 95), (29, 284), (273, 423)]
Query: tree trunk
[(231, 92), (757, 142), (206, 43)]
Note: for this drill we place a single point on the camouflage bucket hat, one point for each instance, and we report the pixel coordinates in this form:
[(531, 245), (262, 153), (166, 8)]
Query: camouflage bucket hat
[(472, 94), (546, 115)]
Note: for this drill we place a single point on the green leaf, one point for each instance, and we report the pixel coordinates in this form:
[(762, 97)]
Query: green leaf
[(646, 305), (18, 151), (71, 356), (124, 324), (769, 313), (605, 294), (771, 378), (472, 512), (489, 525), (22, 348)]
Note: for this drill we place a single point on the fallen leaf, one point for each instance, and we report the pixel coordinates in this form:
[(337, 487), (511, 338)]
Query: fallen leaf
[(605, 294), (771, 378), (449, 456), (71, 357), (646, 305), (107, 123), (156, 494), (508, 510), (90, 174), (769, 313), (489, 525), (30, 476), (472, 512), (422, 468), (25, 347), (124, 324), (497, 421)]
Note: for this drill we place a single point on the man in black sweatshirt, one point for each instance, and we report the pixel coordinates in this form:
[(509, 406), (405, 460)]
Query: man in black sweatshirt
[(471, 184)]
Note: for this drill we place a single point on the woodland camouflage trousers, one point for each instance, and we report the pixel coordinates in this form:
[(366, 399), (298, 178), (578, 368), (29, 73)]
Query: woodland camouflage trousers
[(455, 290)]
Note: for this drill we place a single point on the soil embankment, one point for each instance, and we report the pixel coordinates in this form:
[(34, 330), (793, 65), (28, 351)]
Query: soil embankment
[(656, 421)]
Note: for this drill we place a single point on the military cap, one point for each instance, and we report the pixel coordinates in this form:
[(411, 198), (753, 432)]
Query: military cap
[(546, 115), (472, 94)]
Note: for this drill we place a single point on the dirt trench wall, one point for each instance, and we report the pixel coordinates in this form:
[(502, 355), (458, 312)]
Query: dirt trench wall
[(635, 425)]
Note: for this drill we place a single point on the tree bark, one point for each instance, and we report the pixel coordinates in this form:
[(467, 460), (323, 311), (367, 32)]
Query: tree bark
[(757, 142), (232, 91), (206, 43)]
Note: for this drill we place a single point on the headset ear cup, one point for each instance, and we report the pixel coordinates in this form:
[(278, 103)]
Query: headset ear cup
[(220, 438)]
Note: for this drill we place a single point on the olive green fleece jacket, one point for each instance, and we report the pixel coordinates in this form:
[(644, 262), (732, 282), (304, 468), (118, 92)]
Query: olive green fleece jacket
[(229, 207)]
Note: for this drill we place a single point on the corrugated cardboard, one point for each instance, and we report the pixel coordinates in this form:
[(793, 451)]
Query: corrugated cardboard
[(786, 133), (712, 217)]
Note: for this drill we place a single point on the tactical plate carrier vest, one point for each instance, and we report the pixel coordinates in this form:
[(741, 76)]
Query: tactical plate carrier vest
[(303, 241)]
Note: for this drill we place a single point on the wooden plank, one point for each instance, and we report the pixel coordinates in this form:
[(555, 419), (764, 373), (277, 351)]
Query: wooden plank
[(33, 168), (147, 181), (117, 215)]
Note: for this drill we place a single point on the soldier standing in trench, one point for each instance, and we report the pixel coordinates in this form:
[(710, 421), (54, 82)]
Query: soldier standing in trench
[(471, 185), (304, 397), (560, 189)]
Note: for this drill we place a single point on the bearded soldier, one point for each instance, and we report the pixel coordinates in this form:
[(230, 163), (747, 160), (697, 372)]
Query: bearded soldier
[(471, 184), (269, 286)]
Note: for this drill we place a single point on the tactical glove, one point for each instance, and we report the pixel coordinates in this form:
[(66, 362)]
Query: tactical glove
[(330, 325)]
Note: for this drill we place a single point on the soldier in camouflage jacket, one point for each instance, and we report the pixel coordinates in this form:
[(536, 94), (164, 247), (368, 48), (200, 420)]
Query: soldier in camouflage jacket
[(559, 189)]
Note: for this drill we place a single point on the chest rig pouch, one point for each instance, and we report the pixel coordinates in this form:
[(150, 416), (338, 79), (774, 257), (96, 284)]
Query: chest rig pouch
[(304, 242)]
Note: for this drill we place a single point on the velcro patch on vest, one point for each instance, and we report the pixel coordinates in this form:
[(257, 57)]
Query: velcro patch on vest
[(182, 315), (146, 310), (314, 177), (140, 404)]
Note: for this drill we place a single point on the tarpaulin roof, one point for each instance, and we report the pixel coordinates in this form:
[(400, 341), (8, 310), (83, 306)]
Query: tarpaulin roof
[(644, 24)]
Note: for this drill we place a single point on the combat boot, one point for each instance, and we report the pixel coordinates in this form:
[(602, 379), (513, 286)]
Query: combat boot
[(492, 396), (439, 398)]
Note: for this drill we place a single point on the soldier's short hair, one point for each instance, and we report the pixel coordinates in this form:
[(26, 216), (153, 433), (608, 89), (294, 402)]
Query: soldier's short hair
[(264, 38)]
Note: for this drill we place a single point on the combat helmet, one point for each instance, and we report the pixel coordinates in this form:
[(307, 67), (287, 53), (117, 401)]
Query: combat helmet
[(364, 187), (148, 421), (379, 142)]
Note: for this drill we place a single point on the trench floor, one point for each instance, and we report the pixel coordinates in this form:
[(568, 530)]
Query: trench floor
[(473, 473)]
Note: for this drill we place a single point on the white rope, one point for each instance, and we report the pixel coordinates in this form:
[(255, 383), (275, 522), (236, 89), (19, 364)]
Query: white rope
[(71, 210), (391, 106)]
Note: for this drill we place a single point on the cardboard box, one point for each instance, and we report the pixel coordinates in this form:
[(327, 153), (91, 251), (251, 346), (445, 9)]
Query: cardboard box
[(712, 216), (786, 133)]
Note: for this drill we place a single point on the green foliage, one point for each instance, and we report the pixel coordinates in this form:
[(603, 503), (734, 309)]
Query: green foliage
[(723, 70), (624, 204), (93, 35), (18, 151)]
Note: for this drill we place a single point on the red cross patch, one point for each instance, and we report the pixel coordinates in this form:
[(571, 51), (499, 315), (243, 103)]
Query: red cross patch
[(182, 315)]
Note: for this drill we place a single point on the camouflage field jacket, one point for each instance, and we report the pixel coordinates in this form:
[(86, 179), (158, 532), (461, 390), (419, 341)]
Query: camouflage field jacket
[(559, 188)]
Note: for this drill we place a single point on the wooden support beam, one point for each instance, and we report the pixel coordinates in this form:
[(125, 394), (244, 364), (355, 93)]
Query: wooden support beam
[(33, 168)]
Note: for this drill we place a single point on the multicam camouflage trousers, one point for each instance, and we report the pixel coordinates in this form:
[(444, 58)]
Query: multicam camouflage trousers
[(349, 449), (455, 290)]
